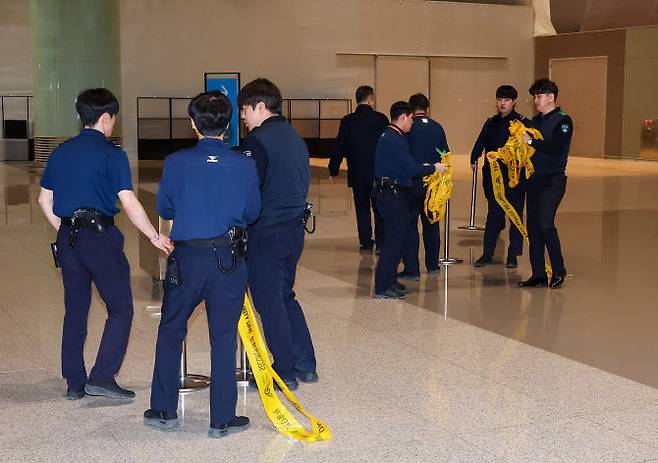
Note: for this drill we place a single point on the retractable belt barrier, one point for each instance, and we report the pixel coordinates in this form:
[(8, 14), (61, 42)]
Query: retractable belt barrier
[(439, 190), (516, 155), (282, 419)]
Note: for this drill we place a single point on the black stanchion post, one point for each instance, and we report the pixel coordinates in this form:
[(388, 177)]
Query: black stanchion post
[(471, 223), (447, 260), (243, 373)]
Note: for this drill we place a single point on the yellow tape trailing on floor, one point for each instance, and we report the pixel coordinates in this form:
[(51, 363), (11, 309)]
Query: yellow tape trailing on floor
[(516, 155), (284, 421), (439, 190)]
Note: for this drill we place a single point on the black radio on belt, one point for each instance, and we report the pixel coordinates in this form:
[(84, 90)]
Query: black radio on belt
[(386, 185), (237, 240), (86, 218)]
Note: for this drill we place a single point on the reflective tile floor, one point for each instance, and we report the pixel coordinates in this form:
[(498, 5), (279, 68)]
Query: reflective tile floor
[(469, 368)]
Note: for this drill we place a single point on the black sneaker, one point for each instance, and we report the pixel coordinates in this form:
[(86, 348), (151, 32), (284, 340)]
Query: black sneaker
[(75, 394), (237, 424), (161, 420), (482, 261), (109, 389), (307, 376), (409, 276), (292, 384), (511, 262), (390, 293), (399, 287)]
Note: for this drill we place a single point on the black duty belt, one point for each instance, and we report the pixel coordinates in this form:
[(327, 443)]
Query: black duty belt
[(104, 220), (236, 240), (205, 243), (86, 218)]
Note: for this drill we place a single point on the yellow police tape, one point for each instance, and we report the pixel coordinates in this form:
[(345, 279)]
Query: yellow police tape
[(516, 155), (439, 190), (265, 376)]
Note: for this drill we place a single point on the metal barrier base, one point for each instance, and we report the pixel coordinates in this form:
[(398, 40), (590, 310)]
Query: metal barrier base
[(189, 383), (471, 228), (242, 378), (451, 261)]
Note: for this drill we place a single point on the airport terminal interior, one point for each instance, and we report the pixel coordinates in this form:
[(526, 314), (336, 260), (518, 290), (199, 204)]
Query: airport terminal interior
[(468, 367)]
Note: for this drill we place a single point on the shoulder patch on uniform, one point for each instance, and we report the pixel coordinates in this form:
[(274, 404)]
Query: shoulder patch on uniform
[(565, 128), (247, 153), (212, 158)]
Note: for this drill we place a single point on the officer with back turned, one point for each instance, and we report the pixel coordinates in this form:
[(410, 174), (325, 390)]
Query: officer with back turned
[(426, 137), (211, 194), (494, 135), (277, 238), (356, 140), (394, 171), (79, 190), (548, 184)]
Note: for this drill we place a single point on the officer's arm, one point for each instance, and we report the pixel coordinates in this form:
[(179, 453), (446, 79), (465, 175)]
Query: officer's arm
[(443, 140), (479, 144), (138, 217), (46, 201), (561, 136), (253, 204), (252, 148), (337, 155)]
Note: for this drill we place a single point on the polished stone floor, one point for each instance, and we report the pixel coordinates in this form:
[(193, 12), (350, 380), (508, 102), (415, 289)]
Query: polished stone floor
[(469, 368)]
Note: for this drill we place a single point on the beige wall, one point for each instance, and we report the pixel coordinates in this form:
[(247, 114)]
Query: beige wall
[(641, 85), (15, 47)]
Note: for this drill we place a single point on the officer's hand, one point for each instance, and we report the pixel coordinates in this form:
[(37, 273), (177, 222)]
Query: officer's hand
[(474, 166), (332, 179), (164, 244), (525, 137), (438, 167)]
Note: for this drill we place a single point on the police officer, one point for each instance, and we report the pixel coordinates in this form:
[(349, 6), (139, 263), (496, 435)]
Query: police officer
[(548, 184), (494, 135), (211, 194), (79, 189), (426, 137), (357, 139), (277, 238), (394, 171)]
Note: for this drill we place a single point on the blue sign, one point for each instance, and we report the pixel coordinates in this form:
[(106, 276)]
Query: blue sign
[(229, 87)]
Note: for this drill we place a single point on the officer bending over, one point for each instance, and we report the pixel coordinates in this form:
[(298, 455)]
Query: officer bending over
[(79, 190), (425, 138), (494, 135), (211, 194), (548, 184), (394, 171), (277, 238), (357, 140)]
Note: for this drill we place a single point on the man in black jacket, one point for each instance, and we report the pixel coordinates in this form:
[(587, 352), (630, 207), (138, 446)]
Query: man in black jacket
[(494, 134), (548, 184), (357, 139)]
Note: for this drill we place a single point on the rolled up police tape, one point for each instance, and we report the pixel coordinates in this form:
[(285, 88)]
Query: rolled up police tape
[(265, 376), (516, 155), (439, 190)]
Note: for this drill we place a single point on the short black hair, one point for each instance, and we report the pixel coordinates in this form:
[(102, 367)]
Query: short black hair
[(363, 93), (543, 86), (507, 91), (261, 90), (399, 108), (419, 101), (211, 113), (92, 103)]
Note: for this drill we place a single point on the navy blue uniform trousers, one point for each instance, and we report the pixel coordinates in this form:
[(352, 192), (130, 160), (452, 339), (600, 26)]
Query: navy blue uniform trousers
[(200, 280), (545, 193), (431, 237), (363, 203), (496, 216), (96, 258), (273, 255), (394, 209)]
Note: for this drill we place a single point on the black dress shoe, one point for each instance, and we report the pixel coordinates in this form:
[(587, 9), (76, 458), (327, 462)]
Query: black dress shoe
[(75, 394), (109, 389), (557, 279), (511, 262), (482, 261), (365, 249), (399, 287), (306, 376), (409, 276), (237, 424), (533, 282), (291, 384), (390, 293), (161, 420)]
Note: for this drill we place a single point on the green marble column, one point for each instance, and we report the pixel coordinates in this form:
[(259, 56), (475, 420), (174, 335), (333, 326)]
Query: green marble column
[(75, 45)]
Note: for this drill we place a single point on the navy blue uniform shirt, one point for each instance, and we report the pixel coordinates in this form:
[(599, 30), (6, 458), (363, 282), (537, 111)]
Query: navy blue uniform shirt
[(357, 140), (283, 168), (393, 158), (551, 153), (208, 189), (425, 137), (86, 171), (494, 135)]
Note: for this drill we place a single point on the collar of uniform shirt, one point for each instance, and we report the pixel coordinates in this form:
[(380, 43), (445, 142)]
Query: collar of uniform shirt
[(396, 128), (420, 115)]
